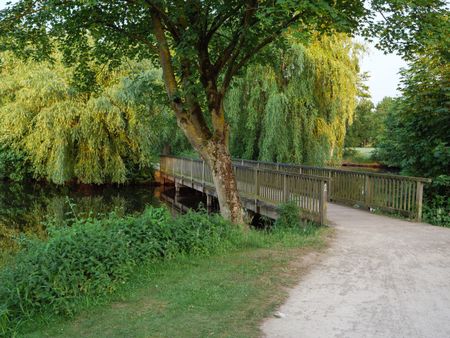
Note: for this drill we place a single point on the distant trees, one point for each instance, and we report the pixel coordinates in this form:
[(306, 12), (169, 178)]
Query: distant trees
[(369, 123)]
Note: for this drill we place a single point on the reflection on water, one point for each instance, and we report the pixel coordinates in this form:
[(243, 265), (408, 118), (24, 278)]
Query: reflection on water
[(24, 207)]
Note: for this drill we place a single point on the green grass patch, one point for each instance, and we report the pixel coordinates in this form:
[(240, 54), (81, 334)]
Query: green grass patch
[(359, 155), (151, 276), (225, 295)]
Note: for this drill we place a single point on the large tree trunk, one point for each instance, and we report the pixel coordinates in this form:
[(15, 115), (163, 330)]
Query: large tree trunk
[(212, 145), (218, 158)]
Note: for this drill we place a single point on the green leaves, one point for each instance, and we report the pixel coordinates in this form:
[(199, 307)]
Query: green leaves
[(91, 258), (296, 108), (61, 133), (408, 27)]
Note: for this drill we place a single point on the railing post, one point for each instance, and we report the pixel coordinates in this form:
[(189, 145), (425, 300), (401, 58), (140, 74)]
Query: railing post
[(367, 198), (192, 170), (256, 188), (419, 196), (173, 168), (329, 187), (323, 203), (285, 189), (203, 173)]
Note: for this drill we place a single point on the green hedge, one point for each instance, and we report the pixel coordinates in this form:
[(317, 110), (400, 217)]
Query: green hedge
[(90, 257)]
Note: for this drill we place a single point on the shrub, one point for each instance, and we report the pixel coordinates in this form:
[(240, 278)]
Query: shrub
[(90, 257), (436, 208), (290, 218)]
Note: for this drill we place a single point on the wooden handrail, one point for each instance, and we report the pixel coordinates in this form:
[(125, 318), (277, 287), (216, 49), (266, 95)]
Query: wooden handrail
[(260, 185), (284, 164), (388, 192), (397, 193)]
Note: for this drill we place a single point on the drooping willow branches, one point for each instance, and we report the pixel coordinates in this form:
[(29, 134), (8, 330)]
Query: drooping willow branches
[(296, 108), (66, 134)]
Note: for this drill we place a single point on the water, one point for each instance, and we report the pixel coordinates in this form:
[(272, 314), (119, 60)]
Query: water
[(25, 207)]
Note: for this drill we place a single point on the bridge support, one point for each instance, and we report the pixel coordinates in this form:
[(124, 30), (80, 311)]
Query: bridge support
[(209, 202), (177, 191)]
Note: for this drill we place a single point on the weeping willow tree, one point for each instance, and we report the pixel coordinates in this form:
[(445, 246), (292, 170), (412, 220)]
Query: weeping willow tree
[(296, 108), (67, 134)]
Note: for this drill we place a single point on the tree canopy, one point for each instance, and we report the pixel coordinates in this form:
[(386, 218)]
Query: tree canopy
[(296, 108), (67, 135)]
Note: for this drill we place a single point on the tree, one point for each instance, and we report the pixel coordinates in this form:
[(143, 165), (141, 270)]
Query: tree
[(417, 138), (361, 132), (295, 108), (49, 128), (201, 46), (368, 123)]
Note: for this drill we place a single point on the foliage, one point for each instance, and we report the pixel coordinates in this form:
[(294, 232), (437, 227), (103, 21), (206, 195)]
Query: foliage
[(289, 217), (409, 28), (368, 123), (92, 256), (62, 134), (417, 138), (295, 109), (13, 164), (436, 208)]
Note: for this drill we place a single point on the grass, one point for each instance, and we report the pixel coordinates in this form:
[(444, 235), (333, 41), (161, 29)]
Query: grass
[(359, 155), (225, 295)]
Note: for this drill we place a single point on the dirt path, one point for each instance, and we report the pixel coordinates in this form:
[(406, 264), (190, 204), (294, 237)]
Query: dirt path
[(381, 277)]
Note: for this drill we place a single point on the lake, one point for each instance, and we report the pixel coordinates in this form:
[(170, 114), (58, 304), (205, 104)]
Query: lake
[(26, 207)]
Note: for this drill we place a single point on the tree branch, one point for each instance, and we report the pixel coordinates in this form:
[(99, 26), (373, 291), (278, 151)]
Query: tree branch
[(233, 68), (171, 27), (166, 63)]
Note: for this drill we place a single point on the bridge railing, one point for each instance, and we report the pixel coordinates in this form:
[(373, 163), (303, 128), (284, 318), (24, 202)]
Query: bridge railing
[(402, 194), (267, 186)]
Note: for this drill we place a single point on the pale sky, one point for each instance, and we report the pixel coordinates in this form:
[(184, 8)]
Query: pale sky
[(383, 71)]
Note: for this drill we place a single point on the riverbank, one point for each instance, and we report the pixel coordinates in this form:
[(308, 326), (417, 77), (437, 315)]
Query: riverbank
[(221, 296), (223, 291)]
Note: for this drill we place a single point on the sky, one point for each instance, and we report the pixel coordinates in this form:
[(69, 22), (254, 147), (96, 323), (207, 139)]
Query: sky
[(383, 70)]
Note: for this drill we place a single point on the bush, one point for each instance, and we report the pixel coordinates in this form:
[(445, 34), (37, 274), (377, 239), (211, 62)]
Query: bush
[(91, 257), (436, 208), (290, 219)]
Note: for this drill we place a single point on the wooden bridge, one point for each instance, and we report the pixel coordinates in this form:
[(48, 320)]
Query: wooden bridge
[(263, 186)]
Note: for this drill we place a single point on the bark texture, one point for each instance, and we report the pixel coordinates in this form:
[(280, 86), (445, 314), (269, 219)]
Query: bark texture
[(218, 158)]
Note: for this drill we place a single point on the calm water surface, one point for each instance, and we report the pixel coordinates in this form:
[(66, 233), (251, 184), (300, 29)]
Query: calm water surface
[(25, 207)]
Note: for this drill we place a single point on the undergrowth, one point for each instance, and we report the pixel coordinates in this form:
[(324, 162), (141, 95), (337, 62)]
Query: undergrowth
[(92, 258)]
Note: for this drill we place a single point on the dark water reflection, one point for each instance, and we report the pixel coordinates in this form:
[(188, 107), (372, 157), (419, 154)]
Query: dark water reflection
[(25, 207)]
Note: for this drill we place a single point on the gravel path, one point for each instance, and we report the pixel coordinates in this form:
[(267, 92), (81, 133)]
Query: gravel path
[(381, 277)]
